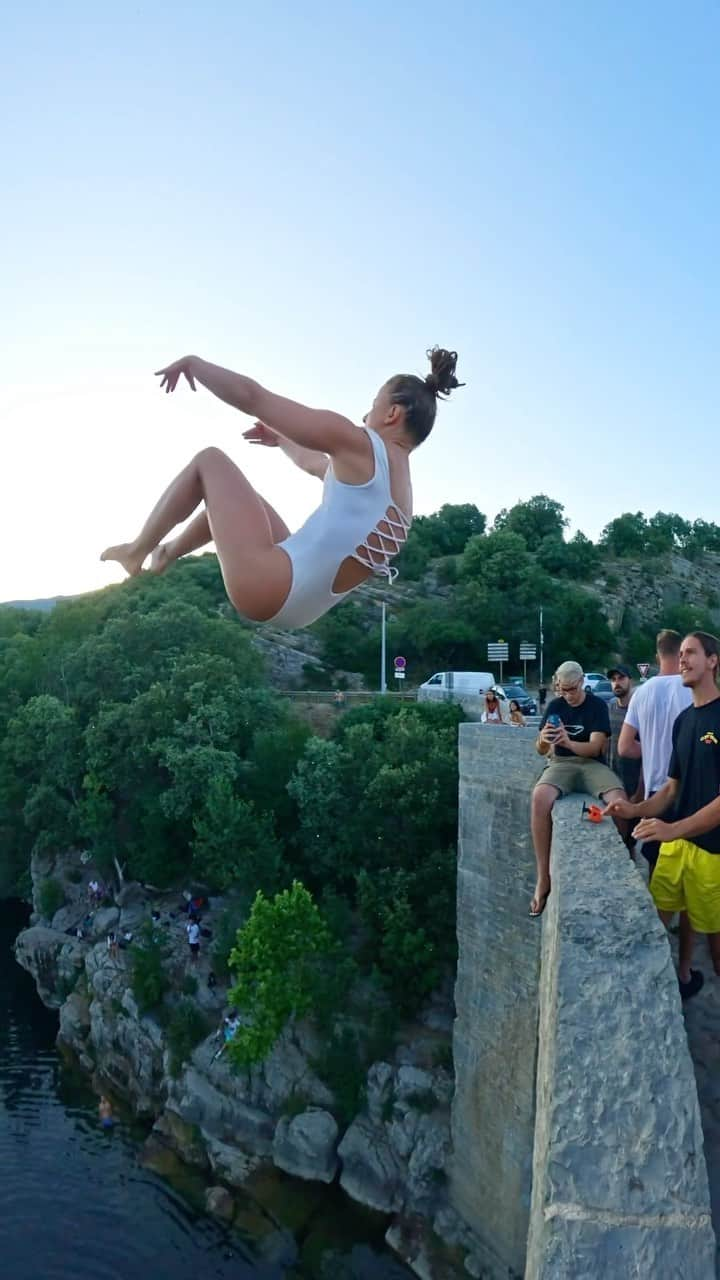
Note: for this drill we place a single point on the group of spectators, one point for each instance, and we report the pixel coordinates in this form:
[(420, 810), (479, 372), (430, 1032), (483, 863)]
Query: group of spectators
[(653, 758), (493, 712)]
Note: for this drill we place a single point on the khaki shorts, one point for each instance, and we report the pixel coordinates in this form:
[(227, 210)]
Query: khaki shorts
[(580, 775), (687, 878)]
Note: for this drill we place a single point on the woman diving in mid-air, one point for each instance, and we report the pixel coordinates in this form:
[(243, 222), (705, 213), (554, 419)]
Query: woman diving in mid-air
[(270, 574)]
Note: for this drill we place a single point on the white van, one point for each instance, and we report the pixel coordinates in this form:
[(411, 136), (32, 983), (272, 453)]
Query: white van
[(456, 686)]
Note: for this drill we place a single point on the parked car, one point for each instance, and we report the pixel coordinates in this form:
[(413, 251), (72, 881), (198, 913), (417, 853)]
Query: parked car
[(603, 689), (516, 689), (591, 679)]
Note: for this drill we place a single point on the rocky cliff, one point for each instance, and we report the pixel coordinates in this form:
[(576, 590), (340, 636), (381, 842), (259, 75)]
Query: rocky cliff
[(237, 1125)]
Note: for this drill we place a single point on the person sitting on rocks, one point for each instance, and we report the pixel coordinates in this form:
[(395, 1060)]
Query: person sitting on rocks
[(574, 733)]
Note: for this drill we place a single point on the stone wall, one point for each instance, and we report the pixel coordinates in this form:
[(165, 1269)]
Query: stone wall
[(576, 1127), (495, 1040), (619, 1180)]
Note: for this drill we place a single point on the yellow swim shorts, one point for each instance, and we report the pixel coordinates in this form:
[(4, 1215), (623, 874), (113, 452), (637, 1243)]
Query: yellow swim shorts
[(687, 878)]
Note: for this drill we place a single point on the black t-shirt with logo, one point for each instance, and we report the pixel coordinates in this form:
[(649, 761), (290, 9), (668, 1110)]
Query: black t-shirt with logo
[(590, 717), (695, 763)]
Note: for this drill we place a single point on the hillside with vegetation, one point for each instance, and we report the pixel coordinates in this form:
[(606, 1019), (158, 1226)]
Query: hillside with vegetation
[(462, 585), (138, 724), (144, 724)]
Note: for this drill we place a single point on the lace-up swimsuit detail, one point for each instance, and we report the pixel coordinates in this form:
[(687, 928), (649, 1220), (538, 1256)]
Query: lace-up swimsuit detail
[(338, 531)]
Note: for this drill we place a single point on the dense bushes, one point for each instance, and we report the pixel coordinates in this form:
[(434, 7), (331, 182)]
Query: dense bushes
[(51, 897), (186, 1026), (148, 979)]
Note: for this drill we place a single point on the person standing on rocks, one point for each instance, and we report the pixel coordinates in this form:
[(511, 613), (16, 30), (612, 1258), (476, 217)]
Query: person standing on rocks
[(687, 873), (193, 937), (574, 732), (646, 734)]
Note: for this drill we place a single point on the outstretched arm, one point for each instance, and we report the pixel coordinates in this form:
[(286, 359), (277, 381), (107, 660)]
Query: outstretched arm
[(316, 429), (310, 460)]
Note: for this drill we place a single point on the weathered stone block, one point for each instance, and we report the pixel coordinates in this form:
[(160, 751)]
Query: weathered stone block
[(371, 1172), (620, 1185), (494, 1045), (305, 1145)]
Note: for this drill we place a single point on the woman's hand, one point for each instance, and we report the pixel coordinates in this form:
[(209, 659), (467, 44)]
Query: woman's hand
[(654, 829), (171, 374), (259, 433)]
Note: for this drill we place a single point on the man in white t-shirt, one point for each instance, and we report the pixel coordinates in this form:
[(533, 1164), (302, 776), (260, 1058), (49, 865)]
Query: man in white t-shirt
[(647, 731), (193, 936)]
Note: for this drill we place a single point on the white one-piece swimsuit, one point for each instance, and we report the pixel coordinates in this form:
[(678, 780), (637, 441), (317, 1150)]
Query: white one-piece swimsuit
[(346, 519)]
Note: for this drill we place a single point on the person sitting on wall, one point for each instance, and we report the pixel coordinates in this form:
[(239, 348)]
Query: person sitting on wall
[(574, 733), (492, 713), (516, 715)]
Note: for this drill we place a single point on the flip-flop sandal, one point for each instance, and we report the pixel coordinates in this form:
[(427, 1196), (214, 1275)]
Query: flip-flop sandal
[(535, 915)]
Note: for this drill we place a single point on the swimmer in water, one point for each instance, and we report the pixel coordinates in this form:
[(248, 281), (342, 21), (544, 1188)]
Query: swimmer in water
[(105, 1113), (363, 520)]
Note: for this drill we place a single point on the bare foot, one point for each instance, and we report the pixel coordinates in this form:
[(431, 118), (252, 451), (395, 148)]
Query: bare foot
[(126, 556), (160, 559), (539, 902)]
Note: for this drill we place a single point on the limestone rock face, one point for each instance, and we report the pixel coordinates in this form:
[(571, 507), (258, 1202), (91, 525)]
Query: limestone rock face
[(75, 1021), (619, 1174), (105, 919), (54, 960), (371, 1171), (379, 1091), (287, 1071), (220, 1203), (305, 1145), (494, 1046), (219, 1114), (174, 1132)]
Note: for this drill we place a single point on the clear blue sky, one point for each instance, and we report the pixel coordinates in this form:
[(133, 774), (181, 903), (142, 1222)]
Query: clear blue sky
[(314, 193)]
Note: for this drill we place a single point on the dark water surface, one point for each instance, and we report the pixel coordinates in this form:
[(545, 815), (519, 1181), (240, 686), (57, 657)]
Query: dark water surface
[(75, 1202)]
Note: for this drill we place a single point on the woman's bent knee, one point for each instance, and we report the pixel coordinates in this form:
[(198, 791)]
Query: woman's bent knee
[(210, 456)]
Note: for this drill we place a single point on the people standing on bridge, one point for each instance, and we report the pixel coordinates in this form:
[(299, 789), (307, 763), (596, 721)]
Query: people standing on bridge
[(646, 735), (629, 771), (683, 816), (574, 733)]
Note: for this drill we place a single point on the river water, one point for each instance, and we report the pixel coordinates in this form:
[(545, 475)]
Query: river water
[(77, 1204)]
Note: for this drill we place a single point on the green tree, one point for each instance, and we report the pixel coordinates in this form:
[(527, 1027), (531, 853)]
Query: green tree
[(234, 846), (538, 518), (278, 963), (45, 753), (499, 560), (626, 535)]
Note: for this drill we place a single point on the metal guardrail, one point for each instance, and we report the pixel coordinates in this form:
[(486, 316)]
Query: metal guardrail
[(353, 697)]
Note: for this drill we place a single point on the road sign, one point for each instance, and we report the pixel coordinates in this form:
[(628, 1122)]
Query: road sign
[(528, 653), (400, 663), (498, 652), (643, 668), (399, 675)]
